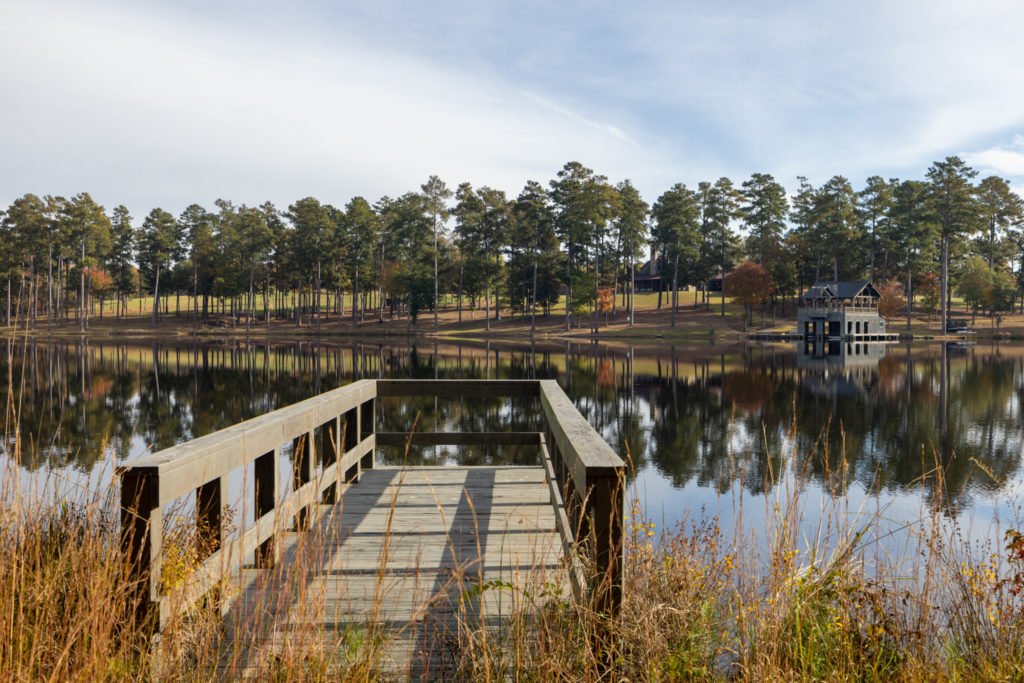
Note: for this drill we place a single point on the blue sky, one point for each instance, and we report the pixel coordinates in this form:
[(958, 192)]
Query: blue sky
[(164, 104)]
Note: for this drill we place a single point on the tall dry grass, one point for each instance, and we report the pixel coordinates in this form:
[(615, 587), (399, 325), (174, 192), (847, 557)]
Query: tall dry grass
[(700, 603), (786, 603)]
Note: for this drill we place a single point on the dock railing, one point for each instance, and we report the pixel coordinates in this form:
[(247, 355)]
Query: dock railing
[(333, 436)]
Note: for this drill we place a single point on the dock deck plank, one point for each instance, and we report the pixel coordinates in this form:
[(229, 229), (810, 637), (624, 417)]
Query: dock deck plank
[(405, 552)]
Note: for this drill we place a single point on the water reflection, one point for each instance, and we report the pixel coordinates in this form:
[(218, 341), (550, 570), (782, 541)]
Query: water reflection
[(871, 416)]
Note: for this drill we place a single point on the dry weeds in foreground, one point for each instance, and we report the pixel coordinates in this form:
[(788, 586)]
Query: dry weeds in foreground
[(701, 603)]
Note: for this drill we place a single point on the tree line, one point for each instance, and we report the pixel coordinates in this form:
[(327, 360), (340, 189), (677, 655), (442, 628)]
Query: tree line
[(579, 240)]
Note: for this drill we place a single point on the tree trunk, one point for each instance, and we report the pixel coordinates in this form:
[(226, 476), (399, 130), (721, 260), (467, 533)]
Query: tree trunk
[(462, 270), (316, 307), (252, 297), (945, 284), (21, 295), (632, 292), (49, 281), (81, 306), (156, 296), (487, 306), (408, 313), (597, 290), (533, 303), (910, 296), (195, 289), (32, 294), (568, 286), (675, 288), (88, 296), (435, 275)]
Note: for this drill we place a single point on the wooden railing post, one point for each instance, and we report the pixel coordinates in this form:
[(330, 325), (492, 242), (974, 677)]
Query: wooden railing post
[(267, 491), (590, 476), (330, 453), (366, 428), (351, 440), (141, 539), (303, 457), (604, 511)]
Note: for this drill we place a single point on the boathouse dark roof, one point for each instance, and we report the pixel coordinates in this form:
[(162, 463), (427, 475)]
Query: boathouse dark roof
[(841, 290)]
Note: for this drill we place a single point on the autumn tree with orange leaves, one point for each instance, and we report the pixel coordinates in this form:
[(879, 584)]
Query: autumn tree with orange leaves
[(892, 301), (750, 285)]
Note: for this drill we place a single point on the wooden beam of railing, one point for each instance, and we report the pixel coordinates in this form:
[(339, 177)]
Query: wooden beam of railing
[(186, 466), (203, 465), (591, 476), (448, 388), (459, 438)]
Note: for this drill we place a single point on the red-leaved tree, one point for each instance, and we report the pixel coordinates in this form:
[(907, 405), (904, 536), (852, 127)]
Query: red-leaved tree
[(750, 285), (892, 301)]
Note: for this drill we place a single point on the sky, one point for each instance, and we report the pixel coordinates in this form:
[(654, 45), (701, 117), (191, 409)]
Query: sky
[(150, 103)]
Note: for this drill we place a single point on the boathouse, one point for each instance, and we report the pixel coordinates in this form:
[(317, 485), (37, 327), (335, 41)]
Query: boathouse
[(840, 310)]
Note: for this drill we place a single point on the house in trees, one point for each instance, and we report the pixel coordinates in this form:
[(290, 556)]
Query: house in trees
[(838, 311), (650, 278)]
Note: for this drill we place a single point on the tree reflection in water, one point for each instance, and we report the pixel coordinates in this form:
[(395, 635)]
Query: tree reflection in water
[(714, 417)]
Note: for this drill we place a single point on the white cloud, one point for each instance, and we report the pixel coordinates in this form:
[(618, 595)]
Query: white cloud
[(1005, 161), (161, 104), (153, 110)]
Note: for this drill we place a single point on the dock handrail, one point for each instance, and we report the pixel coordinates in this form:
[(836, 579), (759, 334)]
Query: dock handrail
[(335, 422), (333, 436)]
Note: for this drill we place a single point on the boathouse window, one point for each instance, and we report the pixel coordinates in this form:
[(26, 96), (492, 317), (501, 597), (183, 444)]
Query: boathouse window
[(866, 323), (858, 327)]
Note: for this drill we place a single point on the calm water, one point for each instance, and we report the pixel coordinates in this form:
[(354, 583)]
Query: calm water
[(708, 430)]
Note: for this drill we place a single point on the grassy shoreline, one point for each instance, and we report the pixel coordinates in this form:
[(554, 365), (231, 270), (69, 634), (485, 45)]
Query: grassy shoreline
[(652, 325), (701, 603)]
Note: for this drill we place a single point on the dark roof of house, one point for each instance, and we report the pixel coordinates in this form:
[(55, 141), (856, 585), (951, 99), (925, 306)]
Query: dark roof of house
[(841, 290)]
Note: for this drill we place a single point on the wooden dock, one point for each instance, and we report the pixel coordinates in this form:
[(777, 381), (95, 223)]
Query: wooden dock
[(420, 557), (422, 562)]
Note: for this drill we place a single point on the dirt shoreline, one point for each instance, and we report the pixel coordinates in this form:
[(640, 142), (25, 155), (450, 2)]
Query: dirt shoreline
[(694, 324)]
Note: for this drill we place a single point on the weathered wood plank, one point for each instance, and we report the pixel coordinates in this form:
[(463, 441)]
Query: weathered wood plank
[(402, 549), (188, 465), (446, 388), (459, 438), (575, 436)]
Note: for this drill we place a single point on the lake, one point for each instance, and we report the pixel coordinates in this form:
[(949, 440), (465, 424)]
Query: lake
[(711, 430)]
